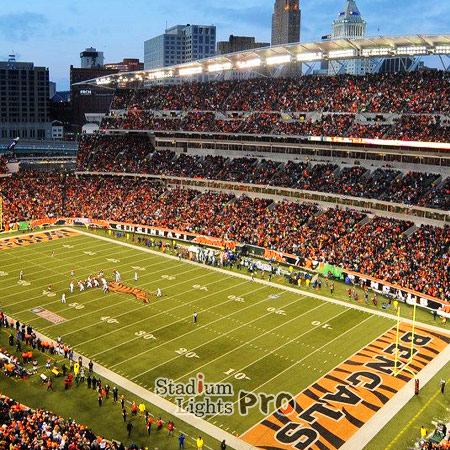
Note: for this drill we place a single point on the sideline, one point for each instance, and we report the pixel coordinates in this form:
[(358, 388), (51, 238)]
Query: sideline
[(374, 312), (200, 424)]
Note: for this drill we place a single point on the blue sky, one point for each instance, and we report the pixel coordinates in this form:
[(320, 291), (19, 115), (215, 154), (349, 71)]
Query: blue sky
[(53, 32)]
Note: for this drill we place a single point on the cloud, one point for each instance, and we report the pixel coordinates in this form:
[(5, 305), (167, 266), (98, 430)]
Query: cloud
[(229, 19), (65, 32), (255, 16), (21, 27)]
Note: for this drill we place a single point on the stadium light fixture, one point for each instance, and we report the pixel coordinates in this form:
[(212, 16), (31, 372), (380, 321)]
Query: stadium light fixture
[(249, 64), (159, 74), (333, 54), (186, 72), (101, 81), (413, 50), (377, 51), (316, 56), (442, 49), (274, 60), (219, 67)]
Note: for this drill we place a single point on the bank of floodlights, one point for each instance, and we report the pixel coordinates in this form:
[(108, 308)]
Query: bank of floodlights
[(306, 57)]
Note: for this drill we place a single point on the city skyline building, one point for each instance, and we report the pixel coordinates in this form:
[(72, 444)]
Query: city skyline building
[(286, 22), (24, 105), (239, 44), (180, 44), (88, 98), (350, 24), (127, 65), (91, 58)]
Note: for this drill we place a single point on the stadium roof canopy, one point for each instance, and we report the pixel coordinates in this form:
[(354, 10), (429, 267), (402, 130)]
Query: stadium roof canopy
[(333, 49)]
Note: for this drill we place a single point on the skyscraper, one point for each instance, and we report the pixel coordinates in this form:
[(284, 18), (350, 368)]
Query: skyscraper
[(180, 44), (349, 24), (286, 20), (24, 105), (91, 58), (239, 44)]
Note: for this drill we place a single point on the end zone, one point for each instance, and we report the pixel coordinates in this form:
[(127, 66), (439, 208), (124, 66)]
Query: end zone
[(330, 411), (36, 238)]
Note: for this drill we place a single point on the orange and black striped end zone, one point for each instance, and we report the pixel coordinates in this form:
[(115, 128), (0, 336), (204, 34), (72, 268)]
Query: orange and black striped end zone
[(36, 238), (138, 293), (327, 414)]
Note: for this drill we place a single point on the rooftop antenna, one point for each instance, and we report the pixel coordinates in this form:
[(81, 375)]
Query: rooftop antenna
[(11, 59)]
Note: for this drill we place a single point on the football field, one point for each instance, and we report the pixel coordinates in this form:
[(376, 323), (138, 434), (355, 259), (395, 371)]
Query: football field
[(256, 337)]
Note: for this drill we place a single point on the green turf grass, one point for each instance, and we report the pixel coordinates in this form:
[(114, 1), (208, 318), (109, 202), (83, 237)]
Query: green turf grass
[(403, 431), (340, 291), (81, 404), (248, 342)]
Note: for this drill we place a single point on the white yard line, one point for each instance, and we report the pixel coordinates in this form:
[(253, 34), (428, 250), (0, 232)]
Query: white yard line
[(112, 306), (15, 256), (29, 299), (204, 326), (374, 312), (297, 362), (146, 318), (380, 418), (28, 260), (165, 326), (84, 268), (77, 293), (180, 320), (201, 425), (225, 334)]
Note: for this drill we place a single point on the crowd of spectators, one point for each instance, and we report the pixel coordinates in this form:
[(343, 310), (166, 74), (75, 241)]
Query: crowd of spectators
[(27, 196), (419, 128), (123, 200), (3, 166), (113, 154), (423, 92), (418, 259), (406, 127), (438, 197), (345, 181), (116, 154), (256, 106), (410, 188), (24, 428)]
